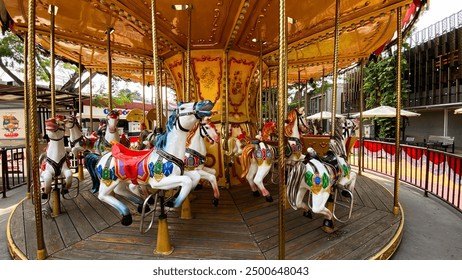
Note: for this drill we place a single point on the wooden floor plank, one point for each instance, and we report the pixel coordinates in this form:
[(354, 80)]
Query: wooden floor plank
[(241, 227)]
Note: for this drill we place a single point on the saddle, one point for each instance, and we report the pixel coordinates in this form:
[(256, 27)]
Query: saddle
[(129, 163)]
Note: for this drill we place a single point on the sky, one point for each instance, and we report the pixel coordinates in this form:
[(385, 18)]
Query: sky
[(438, 10)]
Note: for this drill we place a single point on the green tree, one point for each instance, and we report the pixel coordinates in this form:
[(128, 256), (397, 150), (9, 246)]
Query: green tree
[(380, 88)]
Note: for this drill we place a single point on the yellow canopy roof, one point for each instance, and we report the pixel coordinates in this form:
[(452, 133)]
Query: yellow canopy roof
[(365, 25)]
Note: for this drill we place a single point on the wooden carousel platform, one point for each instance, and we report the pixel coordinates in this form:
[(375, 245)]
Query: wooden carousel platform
[(241, 227)]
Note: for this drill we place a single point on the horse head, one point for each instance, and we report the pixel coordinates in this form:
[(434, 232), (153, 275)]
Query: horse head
[(188, 113), (112, 119), (55, 127), (209, 131)]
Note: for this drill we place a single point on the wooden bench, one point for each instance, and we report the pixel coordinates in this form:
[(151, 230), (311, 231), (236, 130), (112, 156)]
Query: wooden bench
[(440, 142), (415, 140)]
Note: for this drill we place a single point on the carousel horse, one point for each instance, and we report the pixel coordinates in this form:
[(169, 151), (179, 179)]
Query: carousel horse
[(107, 134), (161, 168), (322, 177), (258, 157), (195, 155), (78, 142), (55, 165)]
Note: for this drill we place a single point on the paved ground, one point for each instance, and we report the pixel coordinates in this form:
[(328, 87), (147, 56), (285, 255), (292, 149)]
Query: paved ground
[(432, 229)]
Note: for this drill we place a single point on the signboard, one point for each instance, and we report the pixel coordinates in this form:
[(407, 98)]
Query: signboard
[(13, 124)]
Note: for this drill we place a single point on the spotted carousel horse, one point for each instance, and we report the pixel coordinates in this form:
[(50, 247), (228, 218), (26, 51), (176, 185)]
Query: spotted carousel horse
[(161, 168), (55, 165), (107, 134), (322, 177), (258, 157), (195, 155)]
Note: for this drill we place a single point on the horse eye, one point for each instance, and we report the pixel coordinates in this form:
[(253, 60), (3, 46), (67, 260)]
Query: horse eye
[(181, 109)]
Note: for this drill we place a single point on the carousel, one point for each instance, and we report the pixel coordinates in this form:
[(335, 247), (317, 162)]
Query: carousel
[(215, 179)]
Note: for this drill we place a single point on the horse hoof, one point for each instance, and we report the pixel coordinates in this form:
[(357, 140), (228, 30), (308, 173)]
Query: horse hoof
[(126, 220), (140, 208), (198, 187), (269, 198), (44, 196), (94, 190), (64, 191), (215, 202), (308, 214), (346, 193), (328, 226), (169, 203), (256, 193), (151, 201)]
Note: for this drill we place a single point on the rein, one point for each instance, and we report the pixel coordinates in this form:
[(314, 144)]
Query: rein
[(178, 162)]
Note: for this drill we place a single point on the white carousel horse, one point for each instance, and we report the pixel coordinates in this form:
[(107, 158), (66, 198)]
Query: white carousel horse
[(320, 176), (195, 155), (257, 157), (107, 134), (78, 142), (161, 168), (55, 165)]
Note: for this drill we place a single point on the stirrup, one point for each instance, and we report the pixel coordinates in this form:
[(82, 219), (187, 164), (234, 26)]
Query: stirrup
[(347, 204), (72, 192), (152, 211)]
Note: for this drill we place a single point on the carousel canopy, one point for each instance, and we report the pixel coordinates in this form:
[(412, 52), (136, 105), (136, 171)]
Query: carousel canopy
[(245, 26)]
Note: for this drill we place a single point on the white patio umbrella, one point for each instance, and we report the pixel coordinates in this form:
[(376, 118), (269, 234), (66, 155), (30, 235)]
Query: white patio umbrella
[(458, 111), (325, 115), (385, 112)]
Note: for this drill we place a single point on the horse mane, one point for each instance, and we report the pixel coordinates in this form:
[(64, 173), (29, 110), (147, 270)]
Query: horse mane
[(191, 134), (161, 140), (267, 129), (291, 117), (337, 144)]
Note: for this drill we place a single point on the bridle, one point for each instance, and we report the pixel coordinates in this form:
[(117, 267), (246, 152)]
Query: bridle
[(178, 115), (203, 132)]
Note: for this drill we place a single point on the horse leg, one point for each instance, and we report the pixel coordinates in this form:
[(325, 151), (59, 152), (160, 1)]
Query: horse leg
[(105, 195), (213, 181), (209, 170), (47, 178), (250, 177), (259, 177), (68, 180), (299, 202), (171, 182), (319, 202), (123, 189)]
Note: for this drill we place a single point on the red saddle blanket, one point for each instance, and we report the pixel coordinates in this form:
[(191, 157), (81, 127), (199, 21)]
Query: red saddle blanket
[(129, 162)]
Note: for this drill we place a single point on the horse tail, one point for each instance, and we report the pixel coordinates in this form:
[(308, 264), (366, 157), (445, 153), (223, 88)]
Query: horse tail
[(90, 162), (231, 146), (245, 159), (293, 183)]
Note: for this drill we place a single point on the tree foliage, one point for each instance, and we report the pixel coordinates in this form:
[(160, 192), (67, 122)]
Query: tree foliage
[(380, 88)]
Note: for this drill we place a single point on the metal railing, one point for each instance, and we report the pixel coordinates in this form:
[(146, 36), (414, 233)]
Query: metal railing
[(435, 172), (13, 164), (441, 27)]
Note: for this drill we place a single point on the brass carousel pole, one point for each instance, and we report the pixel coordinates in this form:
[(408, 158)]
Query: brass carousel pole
[(225, 131), (281, 113), (335, 70), (80, 159), (188, 60), (163, 246), (322, 100), (109, 31), (398, 111), (166, 93), (91, 100), (260, 92), (31, 68), (52, 10), (56, 199), (158, 128), (328, 225), (27, 121), (143, 64), (361, 109)]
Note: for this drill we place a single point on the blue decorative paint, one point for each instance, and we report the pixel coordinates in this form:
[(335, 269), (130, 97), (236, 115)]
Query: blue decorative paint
[(317, 180), (151, 169), (167, 168)]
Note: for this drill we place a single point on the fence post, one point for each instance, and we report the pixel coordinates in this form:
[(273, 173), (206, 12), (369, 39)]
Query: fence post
[(427, 172), (4, 171)]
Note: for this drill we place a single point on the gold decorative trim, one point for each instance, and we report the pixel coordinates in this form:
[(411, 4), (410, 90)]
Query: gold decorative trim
[(15, 252)]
